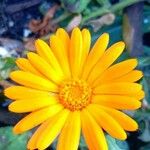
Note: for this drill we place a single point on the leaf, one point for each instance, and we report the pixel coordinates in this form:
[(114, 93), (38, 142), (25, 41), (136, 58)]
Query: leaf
[(146, 21), (9, 141), (114, 144), (104, 2), (145, 136), (9, 63), (144, 61), (75, 6), (44, 26), (146, 50), (6, 65), (147, 147), (146, 88), (82, 145)]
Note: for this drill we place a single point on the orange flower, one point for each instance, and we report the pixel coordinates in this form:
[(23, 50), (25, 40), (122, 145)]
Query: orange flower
[(66, 88)]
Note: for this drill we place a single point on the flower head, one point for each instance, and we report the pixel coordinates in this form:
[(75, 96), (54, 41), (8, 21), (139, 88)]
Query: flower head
[(68, 89)]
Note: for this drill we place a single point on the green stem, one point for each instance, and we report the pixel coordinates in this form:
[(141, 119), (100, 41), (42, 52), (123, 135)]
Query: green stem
[(61, 17), (142, 114), (112, 8)]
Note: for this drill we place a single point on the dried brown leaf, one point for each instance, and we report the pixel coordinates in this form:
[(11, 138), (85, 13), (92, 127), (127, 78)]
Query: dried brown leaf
[(46, 25), (29, 45), (5, 84), (106, 19)]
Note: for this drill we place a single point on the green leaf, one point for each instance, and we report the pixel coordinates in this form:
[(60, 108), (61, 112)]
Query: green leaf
[(9, 141), (145, 136), (75, 6), (82, 145), (144, 61), (114, 144), (146, 21), (104, 2), (6, 65), (146, 88), (146, 147), (146, 50)]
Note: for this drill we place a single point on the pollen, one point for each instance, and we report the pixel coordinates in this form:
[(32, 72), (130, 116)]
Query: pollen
[(75, 94)]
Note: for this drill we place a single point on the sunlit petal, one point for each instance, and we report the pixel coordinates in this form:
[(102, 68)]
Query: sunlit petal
[(70, 133)]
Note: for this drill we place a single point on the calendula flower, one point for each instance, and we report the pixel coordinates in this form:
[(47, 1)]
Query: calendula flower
[(69, 89)]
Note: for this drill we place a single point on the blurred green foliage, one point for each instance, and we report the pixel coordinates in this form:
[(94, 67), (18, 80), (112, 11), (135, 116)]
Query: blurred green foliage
[(75, 6), (6, 66), (10, 141)]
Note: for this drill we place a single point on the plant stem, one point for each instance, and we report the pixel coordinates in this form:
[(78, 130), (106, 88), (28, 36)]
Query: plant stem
[(61, 17), (112, 8)]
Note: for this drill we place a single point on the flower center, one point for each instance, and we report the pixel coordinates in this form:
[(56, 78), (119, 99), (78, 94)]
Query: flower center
[(75, 94)]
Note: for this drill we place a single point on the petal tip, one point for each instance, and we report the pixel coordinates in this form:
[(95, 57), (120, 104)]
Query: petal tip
[(122, 44), (75, 31), (139, 105), (60, 30), (14, 73), (124, 137), (6, 92), (105, 36), (38, 41), (18, 60), (16, 130), (10, 107)]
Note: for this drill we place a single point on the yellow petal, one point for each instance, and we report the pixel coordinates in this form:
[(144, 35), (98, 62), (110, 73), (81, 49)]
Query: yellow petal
[(25, 65), (33, 140), (21, 92), (95, 54), (132, 76), (106, 60), (41, 65), (125, 121), (61, 54), (46, 53), (64, 37), (75, 52), (117, 101), (27, 105), (92, 132), (36, 118), (33, 81), (54, 127), (107, 122), (86, 42), (139, 95), (124, 88), (70, 134), (116, 71)]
